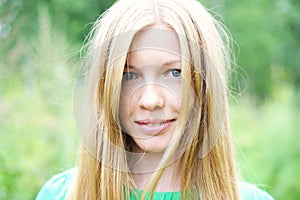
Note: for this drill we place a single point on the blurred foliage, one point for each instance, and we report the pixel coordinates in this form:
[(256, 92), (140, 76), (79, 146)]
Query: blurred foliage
[(39, 44), (268, 142), (267, 36)]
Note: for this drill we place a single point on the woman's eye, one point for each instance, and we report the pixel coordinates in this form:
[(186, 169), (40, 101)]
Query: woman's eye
[(176, 73), (128, 76)]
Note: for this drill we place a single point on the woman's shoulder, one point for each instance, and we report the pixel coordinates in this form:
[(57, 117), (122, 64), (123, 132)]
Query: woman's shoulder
[(252, 192), (57, 186)]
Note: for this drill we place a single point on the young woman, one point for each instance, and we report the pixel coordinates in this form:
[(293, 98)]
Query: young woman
[(155, 122)]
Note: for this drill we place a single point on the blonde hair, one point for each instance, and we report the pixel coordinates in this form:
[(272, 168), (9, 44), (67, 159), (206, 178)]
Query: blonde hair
[(206, 157)]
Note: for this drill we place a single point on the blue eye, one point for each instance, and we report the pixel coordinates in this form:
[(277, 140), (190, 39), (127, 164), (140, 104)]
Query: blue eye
[(128, 76), (176, 73)]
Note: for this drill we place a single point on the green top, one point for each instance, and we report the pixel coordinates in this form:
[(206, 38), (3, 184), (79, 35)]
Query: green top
[(156, 196), (56, 188)]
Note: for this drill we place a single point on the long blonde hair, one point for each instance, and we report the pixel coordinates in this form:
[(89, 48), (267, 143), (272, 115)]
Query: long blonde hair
[(206, 162)]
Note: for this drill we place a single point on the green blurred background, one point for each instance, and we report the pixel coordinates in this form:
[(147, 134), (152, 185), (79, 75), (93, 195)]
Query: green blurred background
[(39, 59)]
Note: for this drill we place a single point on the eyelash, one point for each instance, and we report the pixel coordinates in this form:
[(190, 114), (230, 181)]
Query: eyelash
[(128, 76)]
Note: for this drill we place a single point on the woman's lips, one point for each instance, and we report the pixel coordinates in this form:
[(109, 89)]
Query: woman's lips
[(153, 127)]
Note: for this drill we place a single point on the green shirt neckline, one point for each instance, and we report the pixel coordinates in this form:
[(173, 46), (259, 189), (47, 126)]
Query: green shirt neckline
[(136, 194)]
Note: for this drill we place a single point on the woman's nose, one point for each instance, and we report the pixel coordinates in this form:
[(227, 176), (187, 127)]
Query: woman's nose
[(151, 97)]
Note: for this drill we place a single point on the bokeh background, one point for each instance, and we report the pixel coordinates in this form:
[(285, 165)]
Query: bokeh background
[(40, 41)]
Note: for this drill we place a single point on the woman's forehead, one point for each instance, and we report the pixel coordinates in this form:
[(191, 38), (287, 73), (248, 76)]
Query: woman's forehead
[(160, 38), (146, 57)]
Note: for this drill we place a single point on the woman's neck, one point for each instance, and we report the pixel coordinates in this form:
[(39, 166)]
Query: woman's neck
[(146, 164)]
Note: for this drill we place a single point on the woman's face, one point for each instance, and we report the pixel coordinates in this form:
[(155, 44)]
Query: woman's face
[(151, 89)]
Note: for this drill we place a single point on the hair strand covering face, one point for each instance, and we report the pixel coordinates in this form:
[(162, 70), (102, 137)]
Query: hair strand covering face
[(202, 144)]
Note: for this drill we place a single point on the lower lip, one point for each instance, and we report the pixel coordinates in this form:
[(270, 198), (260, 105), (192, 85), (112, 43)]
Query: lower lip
[(154, 130)]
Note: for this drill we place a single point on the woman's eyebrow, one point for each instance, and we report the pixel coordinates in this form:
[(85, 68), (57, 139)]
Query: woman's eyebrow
[(172, 62), (127, 66), (165, 63)]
